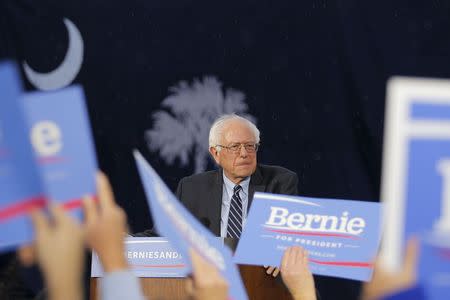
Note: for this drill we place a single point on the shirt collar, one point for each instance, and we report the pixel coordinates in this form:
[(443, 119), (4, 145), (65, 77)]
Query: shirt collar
[(229, 185)]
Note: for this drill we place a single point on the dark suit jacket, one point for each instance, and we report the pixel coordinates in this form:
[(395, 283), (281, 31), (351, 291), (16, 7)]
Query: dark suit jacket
[(202, 193)]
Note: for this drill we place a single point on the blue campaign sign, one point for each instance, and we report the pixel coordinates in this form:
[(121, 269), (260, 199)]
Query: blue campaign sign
[(341, 236), (60, 134), (148, 257), (416, 177), (20, 186), (175, 222), (427, 166)]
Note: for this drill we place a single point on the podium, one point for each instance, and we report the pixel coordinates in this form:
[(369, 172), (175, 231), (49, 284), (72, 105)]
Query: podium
[(258, 284)]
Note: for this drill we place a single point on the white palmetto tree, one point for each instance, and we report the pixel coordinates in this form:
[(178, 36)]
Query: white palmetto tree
[(181, 131)]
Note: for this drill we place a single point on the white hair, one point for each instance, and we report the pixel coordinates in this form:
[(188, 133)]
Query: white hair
[(216, 131)]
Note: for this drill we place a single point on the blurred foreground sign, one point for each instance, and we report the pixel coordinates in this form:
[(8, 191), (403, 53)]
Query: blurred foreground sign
[(416, 178), (20, 186)]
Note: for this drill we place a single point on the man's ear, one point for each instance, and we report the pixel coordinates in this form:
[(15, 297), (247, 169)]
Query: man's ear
[(214, 154)]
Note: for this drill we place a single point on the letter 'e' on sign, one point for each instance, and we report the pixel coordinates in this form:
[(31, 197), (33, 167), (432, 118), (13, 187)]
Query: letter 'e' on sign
[(46, 138)]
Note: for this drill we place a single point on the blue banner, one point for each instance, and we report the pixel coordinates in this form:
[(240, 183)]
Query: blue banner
[(176, 223), (20, 185), (416, 178), (60, 135), (341, 236)]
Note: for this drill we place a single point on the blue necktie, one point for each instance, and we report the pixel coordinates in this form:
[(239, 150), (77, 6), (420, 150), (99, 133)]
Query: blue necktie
[(234, 227)]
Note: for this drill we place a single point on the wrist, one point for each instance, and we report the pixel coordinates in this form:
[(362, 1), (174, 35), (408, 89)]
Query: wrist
[(303, 295), (65, 289), (114, 261)]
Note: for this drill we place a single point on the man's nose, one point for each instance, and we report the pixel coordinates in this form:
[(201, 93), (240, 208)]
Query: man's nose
[(242, 151)]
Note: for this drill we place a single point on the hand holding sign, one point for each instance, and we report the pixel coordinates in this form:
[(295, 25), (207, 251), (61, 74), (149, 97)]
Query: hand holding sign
[(385, 282), (207, 283), (105, 227), (296, 274), (59, 251)]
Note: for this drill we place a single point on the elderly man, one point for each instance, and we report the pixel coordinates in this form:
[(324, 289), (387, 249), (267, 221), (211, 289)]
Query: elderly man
[(220, 199)]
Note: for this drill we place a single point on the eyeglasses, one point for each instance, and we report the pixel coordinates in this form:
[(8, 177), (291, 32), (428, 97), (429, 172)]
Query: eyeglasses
[(235, 148)]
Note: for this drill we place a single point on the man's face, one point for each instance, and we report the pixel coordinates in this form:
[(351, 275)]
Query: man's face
[(237, 166)]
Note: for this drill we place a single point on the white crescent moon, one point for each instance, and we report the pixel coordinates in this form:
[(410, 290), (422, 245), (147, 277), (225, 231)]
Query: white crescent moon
[(66, 72)]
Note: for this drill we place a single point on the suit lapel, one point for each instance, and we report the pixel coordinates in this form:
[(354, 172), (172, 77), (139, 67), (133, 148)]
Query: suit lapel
[(215, 208), (256, 185)]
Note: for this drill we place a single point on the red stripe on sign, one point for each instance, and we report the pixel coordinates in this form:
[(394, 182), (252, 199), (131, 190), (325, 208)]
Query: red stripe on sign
[(444, 253), (159, 266), (345, 236), (3, 152), (22, 207), (51, 159), (74, 203), (343, 263)]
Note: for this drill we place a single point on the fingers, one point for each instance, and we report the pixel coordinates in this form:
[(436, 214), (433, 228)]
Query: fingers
[(205, 274), (90, 209), (189, 287), (285, 259), (199, 264), (273, 271), (105, 197), (59, 217), (289, 257), (105, 194), (300, 255), (305, 257), (196, 261), (294, 256), (26, 255), (411, 255), (40, 222), (207, 282)]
